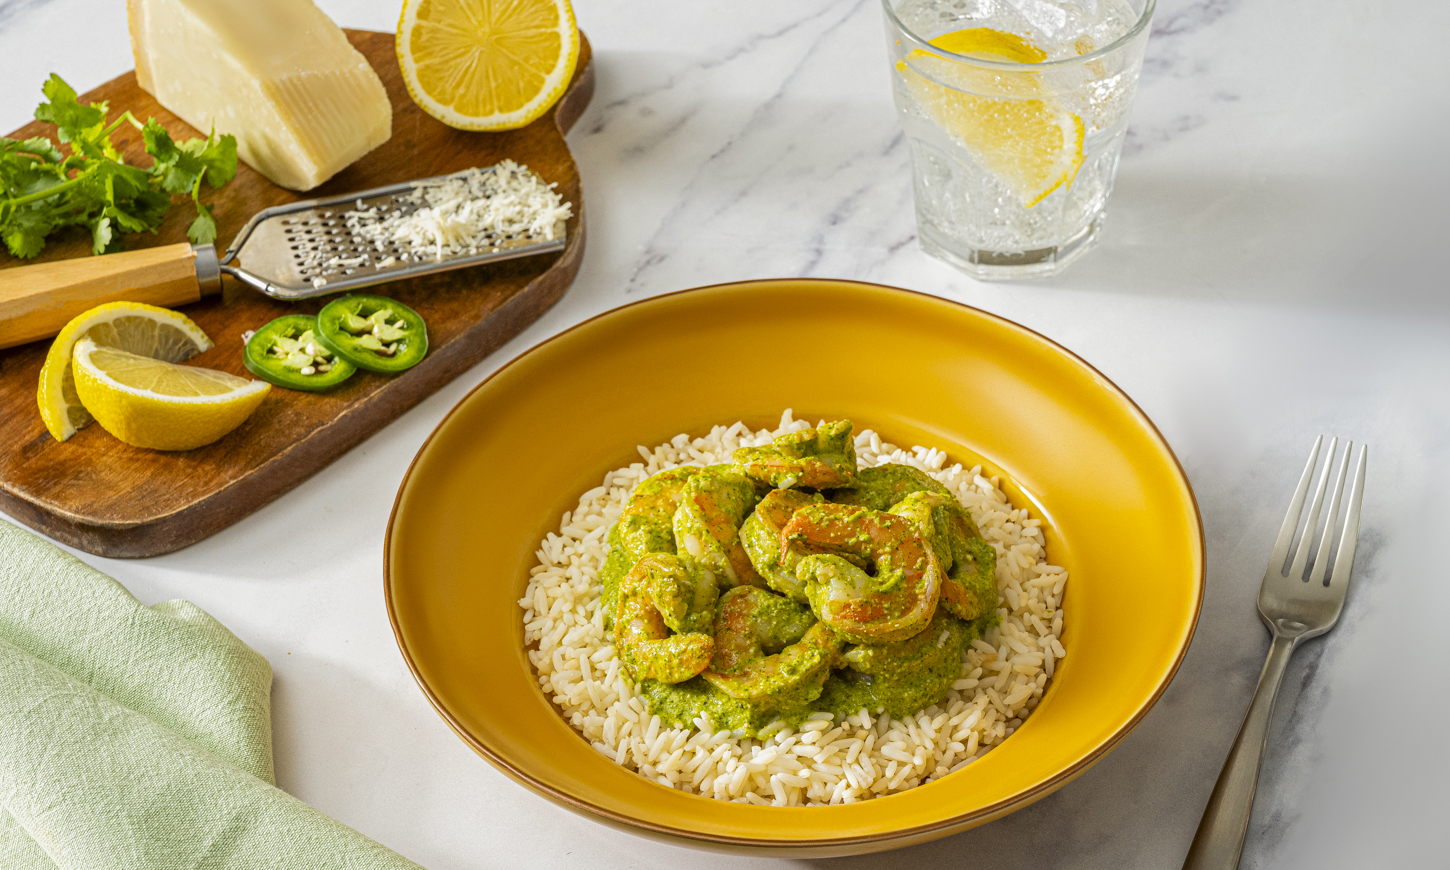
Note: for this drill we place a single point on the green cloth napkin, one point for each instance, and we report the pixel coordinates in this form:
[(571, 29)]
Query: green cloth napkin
[(139, 737)]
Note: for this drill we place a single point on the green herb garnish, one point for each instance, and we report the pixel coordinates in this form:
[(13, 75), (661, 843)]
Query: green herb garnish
[(42, 190)]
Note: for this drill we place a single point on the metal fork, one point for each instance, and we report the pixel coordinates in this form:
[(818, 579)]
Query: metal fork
[(1295, 608)]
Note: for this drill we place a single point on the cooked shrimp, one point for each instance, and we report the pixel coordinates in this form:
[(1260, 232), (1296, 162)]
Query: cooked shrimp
[(969, 584), (869, 575), (882, 486), (753, 623), (819, 458), (646, 525), (761, 536), (769, 647), (683, 591), (713, 505), (644, 643)]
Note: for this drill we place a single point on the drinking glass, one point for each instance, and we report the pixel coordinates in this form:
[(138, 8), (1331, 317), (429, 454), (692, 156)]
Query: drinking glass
[(1015, 113)]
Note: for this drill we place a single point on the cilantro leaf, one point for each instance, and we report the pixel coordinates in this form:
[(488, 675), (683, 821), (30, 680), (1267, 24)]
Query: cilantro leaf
[(127, 182), (62, 109), (142, 213), (76, 122), (218, 154), (28, 167), (202, 230), (100, 235), (39, 147), (181, 178), (25, 232), (159, 143), (178, 170)]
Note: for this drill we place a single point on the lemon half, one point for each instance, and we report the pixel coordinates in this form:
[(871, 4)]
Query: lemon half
[(1008, 119), (158, 333), (487, 64), (151, 403)]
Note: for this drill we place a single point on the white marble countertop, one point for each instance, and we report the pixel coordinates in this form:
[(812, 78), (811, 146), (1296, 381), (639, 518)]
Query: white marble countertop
[(1267, 274)]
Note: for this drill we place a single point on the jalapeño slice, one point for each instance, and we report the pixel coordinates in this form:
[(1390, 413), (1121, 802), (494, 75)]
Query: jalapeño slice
[(373, 333), (287, 352)]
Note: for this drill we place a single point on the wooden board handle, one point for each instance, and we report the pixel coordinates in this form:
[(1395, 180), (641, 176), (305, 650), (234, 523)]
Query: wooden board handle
[(38, 301)]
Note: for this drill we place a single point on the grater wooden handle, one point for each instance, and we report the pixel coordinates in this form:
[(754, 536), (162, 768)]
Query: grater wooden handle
[(38, 301)]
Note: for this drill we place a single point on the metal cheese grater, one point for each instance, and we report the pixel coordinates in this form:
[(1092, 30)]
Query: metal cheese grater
[(288, 251)]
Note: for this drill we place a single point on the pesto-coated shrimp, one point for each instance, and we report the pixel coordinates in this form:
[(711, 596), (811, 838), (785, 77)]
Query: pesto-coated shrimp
[(819, 458), (761, 536), (713, 505), (644, 643), (767, 646), (683, 592), (646, 525), (969, 564), (869, 575), (882, 486), (752, 623)]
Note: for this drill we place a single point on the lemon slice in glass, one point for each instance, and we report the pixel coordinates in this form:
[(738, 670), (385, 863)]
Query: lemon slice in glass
[(487, 64), (151, 403), (1008, 119), (158, 333)]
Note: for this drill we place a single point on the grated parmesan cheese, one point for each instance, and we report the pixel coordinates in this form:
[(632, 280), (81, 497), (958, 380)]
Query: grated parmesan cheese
[(464, 214)]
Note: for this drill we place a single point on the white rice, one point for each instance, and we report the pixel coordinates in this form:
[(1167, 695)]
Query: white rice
[(824, 761)]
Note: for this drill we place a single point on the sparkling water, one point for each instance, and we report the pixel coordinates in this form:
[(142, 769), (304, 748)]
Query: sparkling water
[(966, 213)]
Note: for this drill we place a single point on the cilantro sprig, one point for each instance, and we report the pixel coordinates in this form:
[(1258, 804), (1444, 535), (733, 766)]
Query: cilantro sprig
[(43, 190)]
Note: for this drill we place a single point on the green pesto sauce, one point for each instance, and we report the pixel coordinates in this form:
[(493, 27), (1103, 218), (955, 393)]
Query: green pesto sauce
[(898, 679), (616, 565), (902, 678), (681, 704), (882, 486)]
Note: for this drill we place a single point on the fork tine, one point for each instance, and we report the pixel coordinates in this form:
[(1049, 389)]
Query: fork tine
[(1349, 538), (1296, 506), (1306, 543), (1320, 572)]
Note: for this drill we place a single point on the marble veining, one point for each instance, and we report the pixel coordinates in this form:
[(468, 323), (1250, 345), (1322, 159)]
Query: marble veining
[(1269, 271), (12, 10), (1189, 18)]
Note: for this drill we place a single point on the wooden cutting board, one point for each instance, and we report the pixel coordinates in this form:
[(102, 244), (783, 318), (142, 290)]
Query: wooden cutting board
[(105, 497)]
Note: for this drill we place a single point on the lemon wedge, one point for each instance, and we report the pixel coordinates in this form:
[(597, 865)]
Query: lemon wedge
[(148, 402), (158, 333), (487, 64), (1008, 119)]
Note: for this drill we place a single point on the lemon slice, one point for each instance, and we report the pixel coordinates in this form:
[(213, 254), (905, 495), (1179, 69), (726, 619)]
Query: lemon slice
[(989, 44), (487, 64), (151, 403), (159, 333), (1008, 119)]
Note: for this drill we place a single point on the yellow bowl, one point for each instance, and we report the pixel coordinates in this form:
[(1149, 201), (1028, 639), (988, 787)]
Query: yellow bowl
[(517, 452)]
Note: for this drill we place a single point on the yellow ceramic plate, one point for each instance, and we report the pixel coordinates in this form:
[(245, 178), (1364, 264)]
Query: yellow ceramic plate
[(502, 467)]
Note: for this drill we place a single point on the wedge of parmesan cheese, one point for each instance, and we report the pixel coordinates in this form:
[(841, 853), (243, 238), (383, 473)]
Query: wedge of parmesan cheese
[(276, 74)]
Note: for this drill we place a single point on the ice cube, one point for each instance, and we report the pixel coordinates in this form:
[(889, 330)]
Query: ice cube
[(1046, 17)]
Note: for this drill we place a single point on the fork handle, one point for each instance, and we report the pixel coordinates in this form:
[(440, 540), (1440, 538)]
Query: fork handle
[(1220, 837)]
